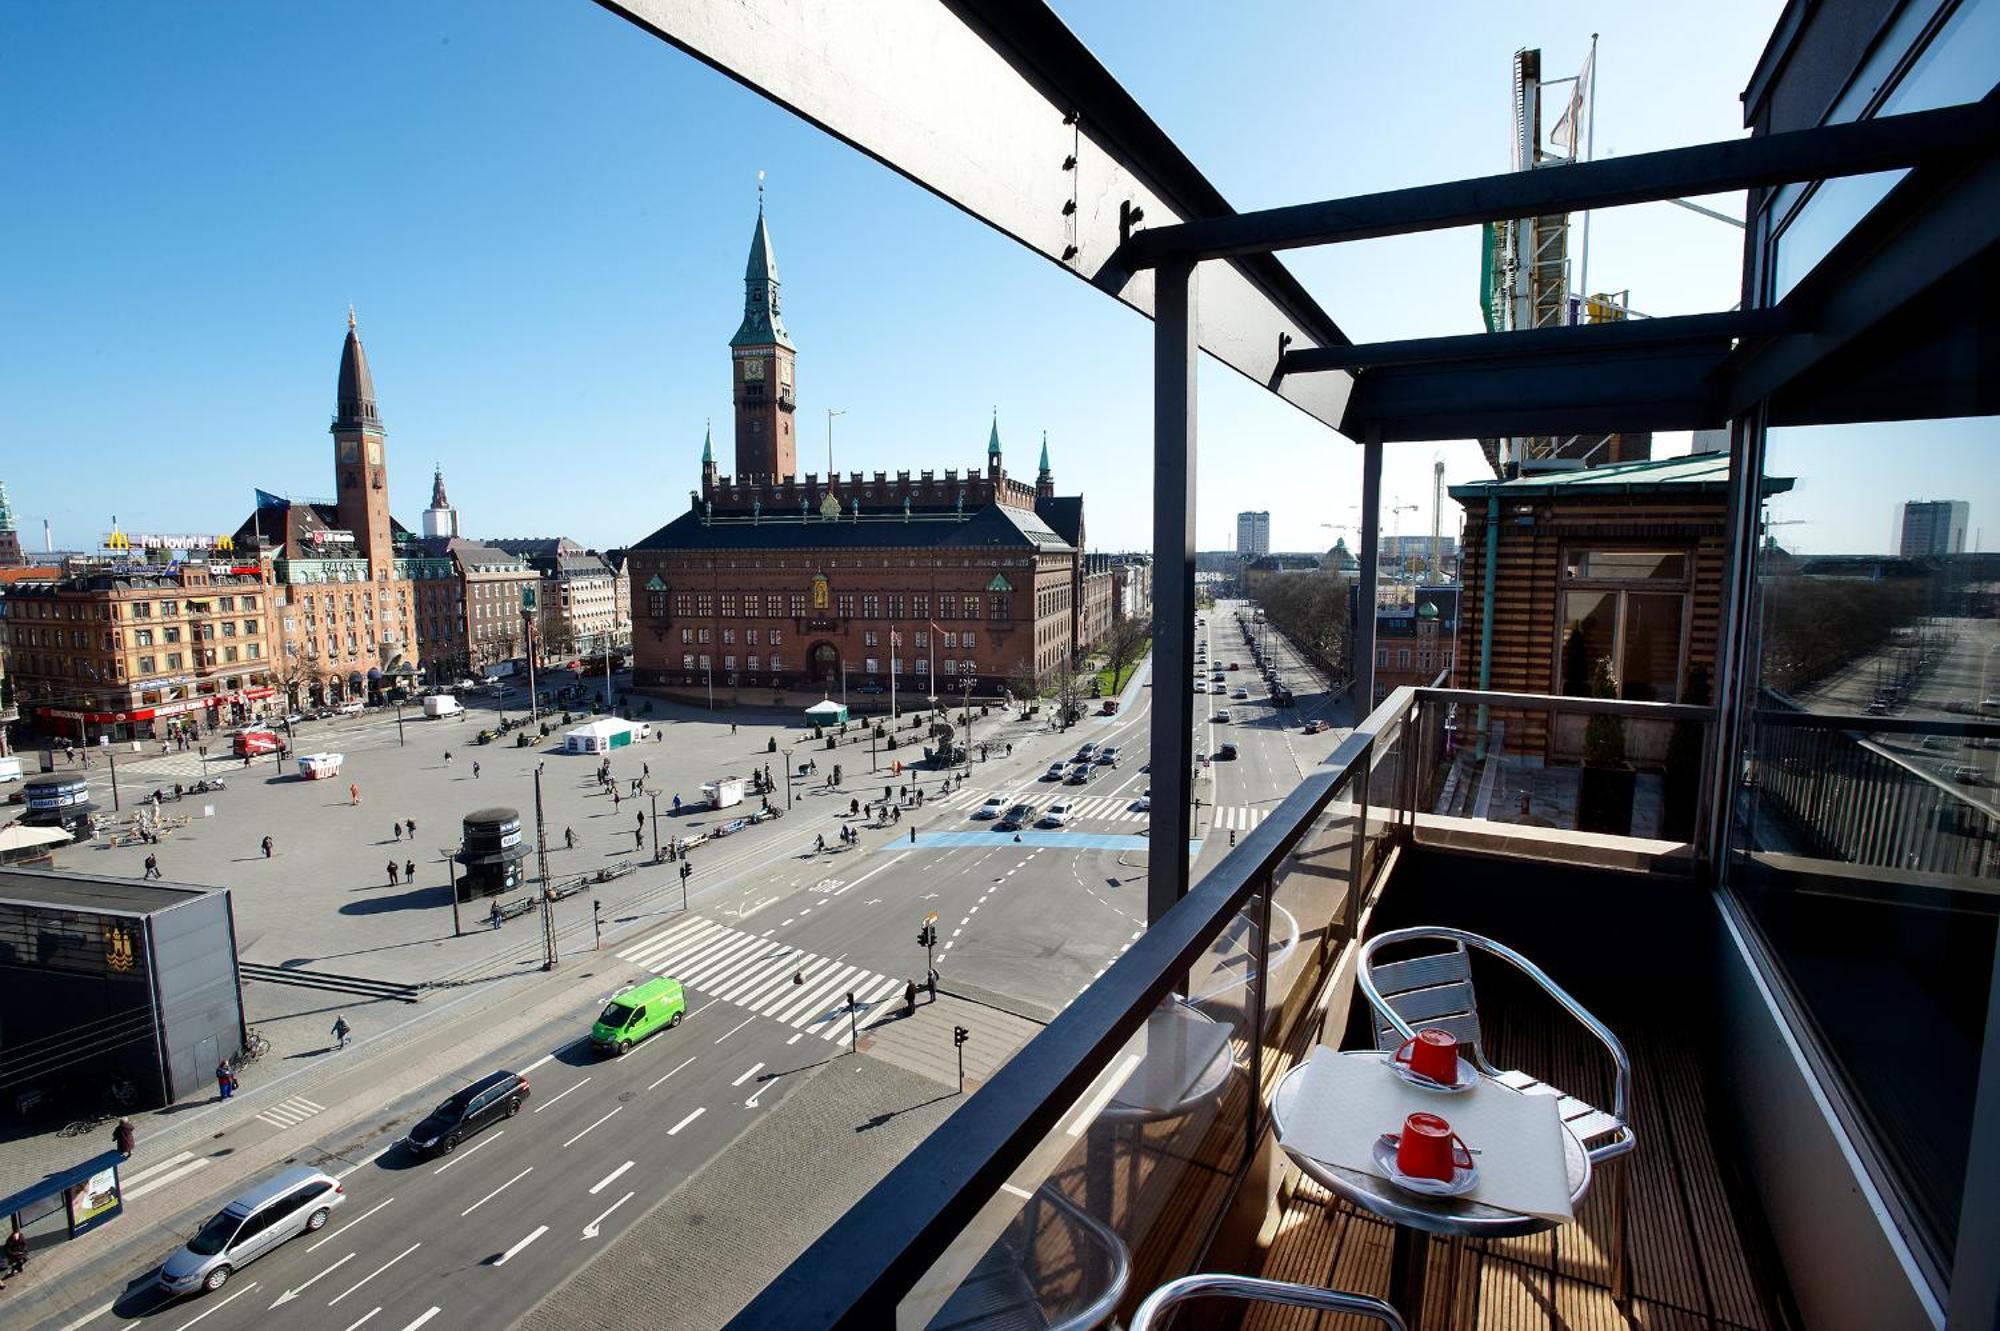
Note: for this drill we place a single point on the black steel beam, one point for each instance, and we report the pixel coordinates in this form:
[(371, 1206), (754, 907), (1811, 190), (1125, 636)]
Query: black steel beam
[(1670, 388), (1828, 151), (1625, 335)]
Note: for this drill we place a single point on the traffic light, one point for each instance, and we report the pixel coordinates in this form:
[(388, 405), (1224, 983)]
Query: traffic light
[(924, 936), (959, 1035)]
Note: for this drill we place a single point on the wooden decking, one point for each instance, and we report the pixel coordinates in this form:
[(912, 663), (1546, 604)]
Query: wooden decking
[(1698, 1250)]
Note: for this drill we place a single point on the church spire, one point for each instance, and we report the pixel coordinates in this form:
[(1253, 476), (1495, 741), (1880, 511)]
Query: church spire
[(708, 444), (437, 488), (993, 439), (354, 397), (1044, 473), (763, 321)]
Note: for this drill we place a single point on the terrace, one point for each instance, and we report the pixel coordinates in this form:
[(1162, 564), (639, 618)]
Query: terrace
[(1792, 929)]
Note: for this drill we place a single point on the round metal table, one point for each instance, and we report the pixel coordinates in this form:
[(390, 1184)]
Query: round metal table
[(1415, 1217)]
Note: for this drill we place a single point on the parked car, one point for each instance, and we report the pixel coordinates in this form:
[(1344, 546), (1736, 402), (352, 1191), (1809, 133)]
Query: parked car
[(1016, 818), (289, 1203), (1226, 754), (870, 687), (1940, 743), (993, 808), (1144, 804), (1222, 716), (635, 1013), (1235, 666), (1315, 726), (493, 1097), (353, 707), (1200, 687), (1241, 694), (1056, 815), (1967, 775)]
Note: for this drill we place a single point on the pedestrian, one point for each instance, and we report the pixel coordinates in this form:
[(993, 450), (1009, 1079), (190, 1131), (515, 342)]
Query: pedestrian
[(642, 817), (396, 830), (267, 848), (638, 838), (225, 1080), (392, 873), (353, 794), (447, 757), (614, 797), (910, 997), (896, 814), (645, 771), (410, 825), (340, 1032), (913, 835), (475, 771), (930, 981), (409, 871), (569, 838), (152, 866), (732, 727), (493, 916), (854, 808), (124, 1137), (17, 1251)]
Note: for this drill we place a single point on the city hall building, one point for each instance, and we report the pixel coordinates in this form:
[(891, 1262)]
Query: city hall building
[(948, 581)]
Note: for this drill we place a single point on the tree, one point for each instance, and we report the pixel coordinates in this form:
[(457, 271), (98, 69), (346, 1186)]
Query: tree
[(1126, 646), (293, 674), (1314, 611)]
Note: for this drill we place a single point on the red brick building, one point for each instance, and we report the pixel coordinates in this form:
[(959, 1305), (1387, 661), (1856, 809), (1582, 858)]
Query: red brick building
[(774, 581)]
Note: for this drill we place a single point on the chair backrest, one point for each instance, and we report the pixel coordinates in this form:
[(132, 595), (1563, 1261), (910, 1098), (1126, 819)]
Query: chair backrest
[(1432, 989)]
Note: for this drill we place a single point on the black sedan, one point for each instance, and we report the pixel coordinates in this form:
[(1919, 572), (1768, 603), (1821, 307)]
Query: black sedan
[(493, 1097)]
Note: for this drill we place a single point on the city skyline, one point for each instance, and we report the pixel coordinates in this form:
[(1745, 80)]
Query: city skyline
[(560, 367)]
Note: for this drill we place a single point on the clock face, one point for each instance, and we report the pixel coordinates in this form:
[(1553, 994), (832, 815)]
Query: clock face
[(753, 369), (348, 449), (374, 453)]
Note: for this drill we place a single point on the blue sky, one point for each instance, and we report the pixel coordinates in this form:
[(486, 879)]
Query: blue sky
[(541, 213)]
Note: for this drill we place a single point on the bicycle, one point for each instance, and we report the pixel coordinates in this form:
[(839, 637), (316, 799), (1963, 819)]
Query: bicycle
[(254, 1048), (83, 1127)]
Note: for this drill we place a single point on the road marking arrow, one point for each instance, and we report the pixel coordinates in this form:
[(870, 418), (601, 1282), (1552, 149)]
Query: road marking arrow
[(590, 1230), (291, 1294)]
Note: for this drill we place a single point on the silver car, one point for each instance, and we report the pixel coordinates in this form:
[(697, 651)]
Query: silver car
[(285, 1205)]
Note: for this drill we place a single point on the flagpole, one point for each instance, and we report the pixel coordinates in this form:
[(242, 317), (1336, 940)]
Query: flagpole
[(1589, 151)]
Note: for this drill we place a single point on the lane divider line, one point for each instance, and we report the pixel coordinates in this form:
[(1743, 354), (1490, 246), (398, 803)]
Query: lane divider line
[(677, 1067), (496, 1192), (610, 1178), (675, 1129), (550, 1104), (579, 1136), (748, 1073), (350, 1224), (498, 1133), (533, 1234), (376, 1272)]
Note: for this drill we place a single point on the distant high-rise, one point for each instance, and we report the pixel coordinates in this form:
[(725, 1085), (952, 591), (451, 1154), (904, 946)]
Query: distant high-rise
[(1933, 527), (1253, 535)]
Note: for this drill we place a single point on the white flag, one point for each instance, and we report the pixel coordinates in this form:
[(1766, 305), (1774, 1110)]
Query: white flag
[(1569, 135)]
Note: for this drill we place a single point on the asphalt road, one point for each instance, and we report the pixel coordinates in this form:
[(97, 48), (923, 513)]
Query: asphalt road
[(475, 1237)]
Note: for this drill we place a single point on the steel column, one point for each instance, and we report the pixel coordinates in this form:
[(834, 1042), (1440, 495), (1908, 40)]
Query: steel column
[(1172, 722), (1364, 603)]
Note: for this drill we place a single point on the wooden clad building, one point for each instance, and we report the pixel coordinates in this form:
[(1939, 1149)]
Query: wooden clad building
[(1601, 579)]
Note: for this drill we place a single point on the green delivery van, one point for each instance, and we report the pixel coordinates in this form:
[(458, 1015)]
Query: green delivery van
[(636, 1013)]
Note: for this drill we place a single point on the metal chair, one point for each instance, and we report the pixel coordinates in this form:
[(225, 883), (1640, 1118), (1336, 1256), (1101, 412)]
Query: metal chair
[(1435, 989), (1152, 1313)]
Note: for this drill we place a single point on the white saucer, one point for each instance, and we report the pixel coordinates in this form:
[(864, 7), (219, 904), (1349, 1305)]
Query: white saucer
[(1467, 1075), (1463, 1180)]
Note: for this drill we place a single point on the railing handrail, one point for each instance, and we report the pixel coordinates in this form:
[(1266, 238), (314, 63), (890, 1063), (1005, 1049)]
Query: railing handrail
[(1557, 702), (854, 1274)]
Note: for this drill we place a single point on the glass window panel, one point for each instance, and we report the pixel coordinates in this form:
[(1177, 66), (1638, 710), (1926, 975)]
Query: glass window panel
[(1650, 667), (1590, 631)]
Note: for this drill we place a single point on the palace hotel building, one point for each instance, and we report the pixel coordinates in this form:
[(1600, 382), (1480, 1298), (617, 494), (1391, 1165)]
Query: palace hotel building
[(772, 580)]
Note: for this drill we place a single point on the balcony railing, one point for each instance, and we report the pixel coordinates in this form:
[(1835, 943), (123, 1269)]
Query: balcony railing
[(1140, 1108)]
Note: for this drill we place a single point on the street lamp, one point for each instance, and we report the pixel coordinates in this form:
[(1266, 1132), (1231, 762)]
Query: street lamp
[(708, 670), (788, 778)]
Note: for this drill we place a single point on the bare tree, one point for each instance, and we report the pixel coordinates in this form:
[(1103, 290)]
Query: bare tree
[(1126, 647)]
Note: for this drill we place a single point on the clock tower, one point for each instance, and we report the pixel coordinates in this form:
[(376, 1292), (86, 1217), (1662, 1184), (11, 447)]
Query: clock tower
[(761, 361), (360, 471)]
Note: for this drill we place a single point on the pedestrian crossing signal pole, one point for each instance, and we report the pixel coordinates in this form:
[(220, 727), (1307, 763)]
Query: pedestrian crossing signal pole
[(542, 863), (927, 940), (686, 870), (853, 1023), (959, 1035)]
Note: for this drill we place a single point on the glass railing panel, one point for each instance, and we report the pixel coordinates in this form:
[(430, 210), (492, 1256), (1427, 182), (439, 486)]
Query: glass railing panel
[(1539, 768), (1312, 900), (1125, 1192)]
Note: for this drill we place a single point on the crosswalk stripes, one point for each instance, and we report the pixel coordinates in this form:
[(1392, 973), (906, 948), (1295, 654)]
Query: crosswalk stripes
[(289, 1113), (774, 980), (1094, 808), (1235, 818), (174, 1168)]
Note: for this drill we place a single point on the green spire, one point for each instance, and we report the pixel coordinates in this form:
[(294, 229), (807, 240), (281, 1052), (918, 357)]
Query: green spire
[(1045, 455), (762, 323), (993, 439), (708, 444)]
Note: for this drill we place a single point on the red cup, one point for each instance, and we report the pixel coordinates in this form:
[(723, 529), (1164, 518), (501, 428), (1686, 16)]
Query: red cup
[(1429, 1148), (1432, 1053)]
